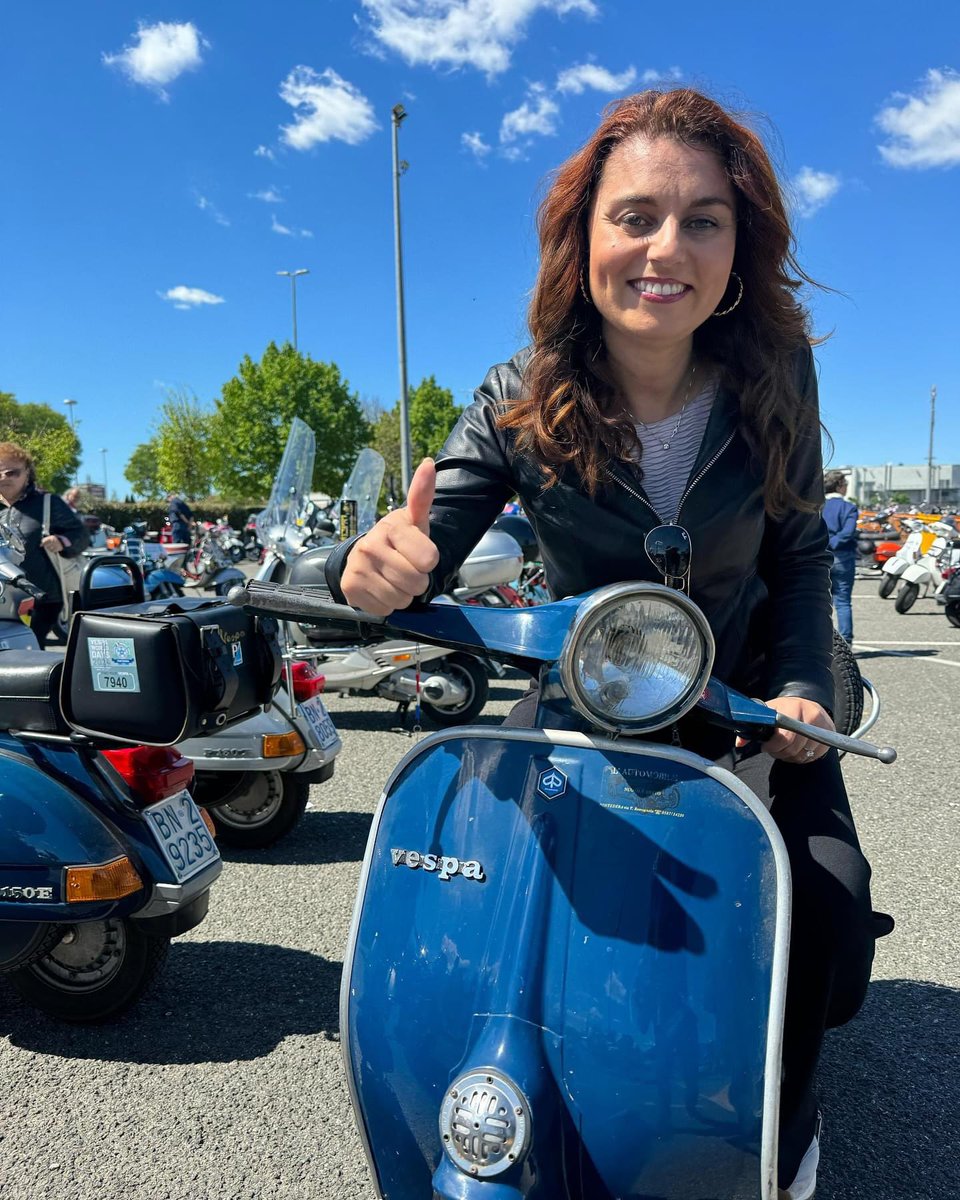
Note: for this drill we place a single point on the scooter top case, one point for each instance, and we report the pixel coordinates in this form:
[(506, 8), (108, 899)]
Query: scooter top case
[(566, 974)]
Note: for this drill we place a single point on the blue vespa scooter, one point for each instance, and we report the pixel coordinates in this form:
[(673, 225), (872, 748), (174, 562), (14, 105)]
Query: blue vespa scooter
[(567, 967)]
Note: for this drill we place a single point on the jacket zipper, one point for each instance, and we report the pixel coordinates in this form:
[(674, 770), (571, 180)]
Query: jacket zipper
[(687, 490)]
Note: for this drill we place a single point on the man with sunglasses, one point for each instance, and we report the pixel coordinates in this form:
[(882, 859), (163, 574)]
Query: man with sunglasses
[(22, 509)]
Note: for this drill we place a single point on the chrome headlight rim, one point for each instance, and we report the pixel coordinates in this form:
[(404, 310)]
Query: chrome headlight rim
[(597, 606)]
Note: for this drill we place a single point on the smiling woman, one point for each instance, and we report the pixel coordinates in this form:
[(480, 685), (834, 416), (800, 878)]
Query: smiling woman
[(664, 426)]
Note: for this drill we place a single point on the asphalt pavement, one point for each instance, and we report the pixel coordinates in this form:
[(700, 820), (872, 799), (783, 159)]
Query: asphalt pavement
[(226, 1083)]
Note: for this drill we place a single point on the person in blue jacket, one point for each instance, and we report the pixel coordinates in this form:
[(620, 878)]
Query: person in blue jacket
[(840, 516)]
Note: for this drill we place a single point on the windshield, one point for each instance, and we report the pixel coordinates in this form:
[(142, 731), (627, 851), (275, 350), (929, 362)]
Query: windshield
[(291, 487), (357, 508)]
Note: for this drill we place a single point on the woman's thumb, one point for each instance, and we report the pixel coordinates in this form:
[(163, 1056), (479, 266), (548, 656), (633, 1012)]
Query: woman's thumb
[(420, 496)]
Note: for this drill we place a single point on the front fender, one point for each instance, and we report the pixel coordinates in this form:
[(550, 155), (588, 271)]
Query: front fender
[(915, 573), (895, 566)]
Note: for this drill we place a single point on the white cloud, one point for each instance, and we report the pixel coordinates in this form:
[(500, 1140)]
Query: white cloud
[(575, 80), (208, 206), (286, 231), (160, 54), (670, 75), (537, 115), (813, 189), (457, 33), (189, 297), (475, 144), (326, 107), (924, 129), (268, 195), (264, 152)]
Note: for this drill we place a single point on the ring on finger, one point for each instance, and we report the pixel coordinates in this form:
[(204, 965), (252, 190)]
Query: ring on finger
[(809, 754)]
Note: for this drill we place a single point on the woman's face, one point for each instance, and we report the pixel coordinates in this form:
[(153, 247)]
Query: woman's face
[(662, 232), (13, 478)]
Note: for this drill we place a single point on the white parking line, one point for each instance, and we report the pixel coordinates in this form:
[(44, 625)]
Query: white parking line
[(914, 643), (944, 662)]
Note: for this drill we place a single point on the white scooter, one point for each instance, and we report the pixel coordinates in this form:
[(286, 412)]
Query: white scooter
[(912, 549), (928, 571), (450, 687)]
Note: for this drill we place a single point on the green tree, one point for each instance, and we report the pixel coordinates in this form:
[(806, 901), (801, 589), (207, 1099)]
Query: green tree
[(183, 445), (432, 415), (253, 415), (142, 472), (46, 435)]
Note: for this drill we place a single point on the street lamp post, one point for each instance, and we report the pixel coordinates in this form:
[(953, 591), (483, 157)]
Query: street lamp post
[(398, 113), (292, 275), (71, 405), (106, 490)]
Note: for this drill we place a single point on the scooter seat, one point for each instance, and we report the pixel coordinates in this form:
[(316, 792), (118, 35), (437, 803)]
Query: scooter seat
[(30, 691)]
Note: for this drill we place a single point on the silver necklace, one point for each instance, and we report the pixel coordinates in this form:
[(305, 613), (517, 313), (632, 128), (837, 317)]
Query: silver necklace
[(665, 443)]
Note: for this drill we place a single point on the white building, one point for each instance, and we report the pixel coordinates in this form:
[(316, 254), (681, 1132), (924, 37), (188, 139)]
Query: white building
[(876, 485)]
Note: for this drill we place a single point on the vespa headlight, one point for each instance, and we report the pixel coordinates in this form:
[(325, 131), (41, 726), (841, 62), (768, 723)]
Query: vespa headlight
[(637, 657)]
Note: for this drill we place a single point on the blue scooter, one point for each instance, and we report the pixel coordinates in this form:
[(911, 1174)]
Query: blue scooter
[(567, 967)]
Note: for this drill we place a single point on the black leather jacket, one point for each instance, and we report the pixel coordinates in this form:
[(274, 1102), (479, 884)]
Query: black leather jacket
[(763, 585)]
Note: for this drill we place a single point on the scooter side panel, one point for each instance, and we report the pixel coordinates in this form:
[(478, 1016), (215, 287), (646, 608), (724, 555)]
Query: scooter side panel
[(43, 828), (597, 925)]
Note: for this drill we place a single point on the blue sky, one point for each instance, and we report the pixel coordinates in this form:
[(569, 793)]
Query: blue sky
[(162, 163)]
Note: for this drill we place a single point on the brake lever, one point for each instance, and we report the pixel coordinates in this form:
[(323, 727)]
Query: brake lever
[(304, 603)]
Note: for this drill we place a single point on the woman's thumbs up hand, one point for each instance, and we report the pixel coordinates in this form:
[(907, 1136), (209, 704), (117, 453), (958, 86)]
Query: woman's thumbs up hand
[(390, 566)]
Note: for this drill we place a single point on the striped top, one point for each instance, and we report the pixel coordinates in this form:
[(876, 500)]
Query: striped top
[(665, 473)]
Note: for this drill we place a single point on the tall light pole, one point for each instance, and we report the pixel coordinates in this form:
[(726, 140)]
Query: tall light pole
[(933, 406), (71, 405), (106, 490), (292, 275), (398, 113)]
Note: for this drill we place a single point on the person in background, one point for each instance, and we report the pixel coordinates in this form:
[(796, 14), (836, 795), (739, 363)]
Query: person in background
[(72, 497), (840, 517), (180, 515), (21, 510)]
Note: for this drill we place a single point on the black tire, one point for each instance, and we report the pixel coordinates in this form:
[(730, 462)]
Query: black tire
[(254, 808), (906, 597), (847, 687), (95, 972), (953, 613), (887, 584), (471, 673), (166, 590)]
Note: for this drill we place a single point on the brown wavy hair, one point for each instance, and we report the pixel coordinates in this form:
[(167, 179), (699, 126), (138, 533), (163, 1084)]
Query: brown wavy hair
[(23, 457), (570, 410)]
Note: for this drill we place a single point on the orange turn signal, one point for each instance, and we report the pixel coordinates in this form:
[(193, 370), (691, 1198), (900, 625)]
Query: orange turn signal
[(208, 821), (282, 745), (110, 881), (401, 657)]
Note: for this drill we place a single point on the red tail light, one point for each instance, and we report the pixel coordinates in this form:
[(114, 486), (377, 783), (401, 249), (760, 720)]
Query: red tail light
[(307, 681), (152, 772)]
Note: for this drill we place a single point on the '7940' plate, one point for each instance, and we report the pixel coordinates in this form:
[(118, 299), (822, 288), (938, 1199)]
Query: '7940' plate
[(180, 833)]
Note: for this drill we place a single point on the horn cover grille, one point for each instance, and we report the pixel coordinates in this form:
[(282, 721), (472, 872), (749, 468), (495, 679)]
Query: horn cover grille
[(484, 1123)]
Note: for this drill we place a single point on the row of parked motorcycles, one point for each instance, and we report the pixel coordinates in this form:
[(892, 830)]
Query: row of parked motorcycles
[(926, 564), (566, 968)]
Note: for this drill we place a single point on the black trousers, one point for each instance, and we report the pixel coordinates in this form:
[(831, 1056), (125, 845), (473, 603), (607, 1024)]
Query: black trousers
[(832, 933), (44, 618)]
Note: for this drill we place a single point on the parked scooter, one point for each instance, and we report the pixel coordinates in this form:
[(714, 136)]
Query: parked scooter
[(450, 687), (927, 572), (918, 540), (254, 776), (210, 563), (17, 594), (591, 1005)]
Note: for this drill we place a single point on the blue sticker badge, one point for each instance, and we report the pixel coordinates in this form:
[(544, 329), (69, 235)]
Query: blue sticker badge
[(551, 783)]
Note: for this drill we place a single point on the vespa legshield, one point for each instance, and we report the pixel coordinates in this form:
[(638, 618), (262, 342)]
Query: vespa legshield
[(566, 974)]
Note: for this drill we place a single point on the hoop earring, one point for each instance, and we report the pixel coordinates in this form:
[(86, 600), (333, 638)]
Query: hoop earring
[(722, 312), (583, 290)]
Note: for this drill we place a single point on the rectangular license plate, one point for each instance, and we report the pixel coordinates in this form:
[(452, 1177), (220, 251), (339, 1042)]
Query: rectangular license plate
[(322, 728), (180, 833)]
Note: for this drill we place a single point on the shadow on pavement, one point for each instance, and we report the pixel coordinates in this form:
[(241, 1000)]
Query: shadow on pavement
[(319, 837), (891, 1093), (214, 1002)]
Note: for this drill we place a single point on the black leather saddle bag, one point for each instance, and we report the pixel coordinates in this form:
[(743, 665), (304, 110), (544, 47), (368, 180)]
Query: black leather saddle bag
[(162, 671)]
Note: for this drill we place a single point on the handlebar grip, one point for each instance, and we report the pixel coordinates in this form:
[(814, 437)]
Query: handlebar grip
[(305, 603), (828, 737)]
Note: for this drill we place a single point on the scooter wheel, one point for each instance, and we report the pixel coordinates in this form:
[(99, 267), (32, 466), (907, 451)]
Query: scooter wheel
[(906, 597), (847, 687), (887, 584), (96, 971), (470, 673), (252, 809)]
